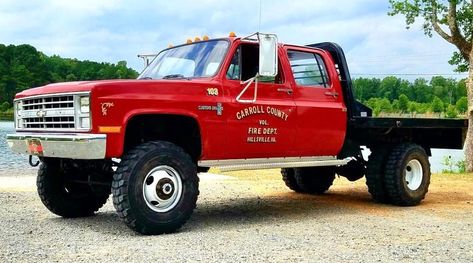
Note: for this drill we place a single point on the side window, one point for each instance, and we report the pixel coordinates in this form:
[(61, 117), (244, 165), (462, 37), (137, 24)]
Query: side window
[(244, 65), (233, 71), (308, 69)]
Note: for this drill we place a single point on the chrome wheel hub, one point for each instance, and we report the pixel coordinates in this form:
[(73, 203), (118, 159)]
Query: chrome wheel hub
[(162, 188)]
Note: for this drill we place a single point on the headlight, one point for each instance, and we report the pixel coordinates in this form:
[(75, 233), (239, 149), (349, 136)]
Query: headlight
[(84, 104)]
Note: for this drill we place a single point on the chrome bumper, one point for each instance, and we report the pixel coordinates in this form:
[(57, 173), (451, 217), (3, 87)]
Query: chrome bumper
[(73, 146)]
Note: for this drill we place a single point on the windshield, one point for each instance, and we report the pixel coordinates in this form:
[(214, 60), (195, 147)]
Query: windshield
[(200, 59)]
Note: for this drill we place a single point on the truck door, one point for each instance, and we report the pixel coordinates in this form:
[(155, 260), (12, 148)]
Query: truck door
[(321, 112), (263, 128)]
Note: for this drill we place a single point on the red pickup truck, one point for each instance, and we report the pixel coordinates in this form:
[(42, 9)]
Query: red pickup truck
[(232, 103)]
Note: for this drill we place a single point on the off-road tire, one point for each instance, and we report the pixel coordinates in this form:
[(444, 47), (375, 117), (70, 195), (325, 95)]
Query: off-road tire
[(127, 187), (375, 174), (314, 180), (290, 180), (395, 178), (67, 199)]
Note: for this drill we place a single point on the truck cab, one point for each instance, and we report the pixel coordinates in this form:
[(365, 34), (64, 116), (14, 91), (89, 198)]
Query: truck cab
[(231, 103)]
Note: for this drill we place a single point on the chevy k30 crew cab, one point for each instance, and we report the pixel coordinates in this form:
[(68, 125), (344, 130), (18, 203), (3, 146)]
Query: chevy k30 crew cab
[(232, 103)]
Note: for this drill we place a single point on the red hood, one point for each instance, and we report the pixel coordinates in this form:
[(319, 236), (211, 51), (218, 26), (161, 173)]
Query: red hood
[(84, 86), (65, 87)]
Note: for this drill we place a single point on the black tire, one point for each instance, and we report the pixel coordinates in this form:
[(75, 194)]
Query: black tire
[(128, 188), (314, 180), (290, 180), (375, 174), (405, 160), (66, 198)]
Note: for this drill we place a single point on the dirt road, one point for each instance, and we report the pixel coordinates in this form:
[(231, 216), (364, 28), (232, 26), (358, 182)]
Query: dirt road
[(251, 216)]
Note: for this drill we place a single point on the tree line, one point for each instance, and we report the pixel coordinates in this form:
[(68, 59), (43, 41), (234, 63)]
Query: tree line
[(23, 67), (442, 97)]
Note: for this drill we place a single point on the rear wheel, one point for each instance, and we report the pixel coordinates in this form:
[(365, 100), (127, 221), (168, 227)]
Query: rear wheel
[(69, 192), (290, 180), (375, 174), (314, 180), (155, 188), (407, 175)]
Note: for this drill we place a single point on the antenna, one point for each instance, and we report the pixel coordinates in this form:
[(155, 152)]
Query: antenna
[(259, 23)]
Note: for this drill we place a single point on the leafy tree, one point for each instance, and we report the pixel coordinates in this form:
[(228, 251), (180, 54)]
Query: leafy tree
[(437, 105), (23, 67), (4, 106), (462, 105), (453, 21), (451, 112), (403, 103), (422, 91)]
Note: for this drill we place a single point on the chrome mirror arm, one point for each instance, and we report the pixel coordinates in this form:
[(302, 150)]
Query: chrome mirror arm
[(248, 84)]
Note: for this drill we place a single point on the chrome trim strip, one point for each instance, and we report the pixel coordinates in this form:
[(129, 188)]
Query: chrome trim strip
[(73, 146), (259, 166), (216, 163), (271, 163)]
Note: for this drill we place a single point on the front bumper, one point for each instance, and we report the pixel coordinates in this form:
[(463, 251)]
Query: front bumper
[(73, 146)]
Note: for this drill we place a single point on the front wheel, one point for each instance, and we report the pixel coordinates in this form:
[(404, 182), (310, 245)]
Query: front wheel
[(407, 176), (66, 190), (155, 188)]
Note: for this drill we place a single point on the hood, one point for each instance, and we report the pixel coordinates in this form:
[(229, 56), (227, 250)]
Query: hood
[(66, 87), (118, 86)]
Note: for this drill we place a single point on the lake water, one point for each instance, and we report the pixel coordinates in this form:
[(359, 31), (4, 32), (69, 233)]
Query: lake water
[(10, 161)]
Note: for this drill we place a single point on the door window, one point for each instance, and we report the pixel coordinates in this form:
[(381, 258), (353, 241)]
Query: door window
[(308, 69), (244, 65)]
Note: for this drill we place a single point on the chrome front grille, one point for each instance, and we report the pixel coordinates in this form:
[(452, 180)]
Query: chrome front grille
[(60, 102), (59, 112)]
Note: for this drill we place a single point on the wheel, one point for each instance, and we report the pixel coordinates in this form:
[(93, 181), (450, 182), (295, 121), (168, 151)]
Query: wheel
[(60, 192), (407, 175), (314, 180), (375, 174), (155, 188), (290, 180)]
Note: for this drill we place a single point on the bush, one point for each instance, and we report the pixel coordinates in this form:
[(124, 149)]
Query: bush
[(451, 112), (4, 106), (462, 105)]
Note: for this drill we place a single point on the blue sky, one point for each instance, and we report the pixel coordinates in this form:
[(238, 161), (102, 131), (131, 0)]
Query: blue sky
[(114, 30)]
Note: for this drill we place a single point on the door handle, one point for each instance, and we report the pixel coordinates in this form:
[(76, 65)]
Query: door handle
[(288, 91), (333, 94)]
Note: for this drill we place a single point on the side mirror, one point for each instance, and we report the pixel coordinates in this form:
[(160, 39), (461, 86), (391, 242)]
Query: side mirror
[(268, 55)]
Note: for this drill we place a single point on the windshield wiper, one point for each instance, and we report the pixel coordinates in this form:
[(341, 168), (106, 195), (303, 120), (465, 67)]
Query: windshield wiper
[(146, 78), (175, 76)]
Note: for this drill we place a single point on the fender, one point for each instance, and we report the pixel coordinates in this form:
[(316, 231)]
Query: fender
[(115, 141)]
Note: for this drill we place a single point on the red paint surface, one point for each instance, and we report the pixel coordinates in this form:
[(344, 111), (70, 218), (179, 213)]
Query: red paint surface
[(310, 123)]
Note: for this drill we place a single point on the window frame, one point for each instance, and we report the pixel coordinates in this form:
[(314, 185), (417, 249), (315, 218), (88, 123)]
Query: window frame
[(322, 68)]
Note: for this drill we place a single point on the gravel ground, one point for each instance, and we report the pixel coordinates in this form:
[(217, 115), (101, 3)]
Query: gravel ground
[(250, 216)]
